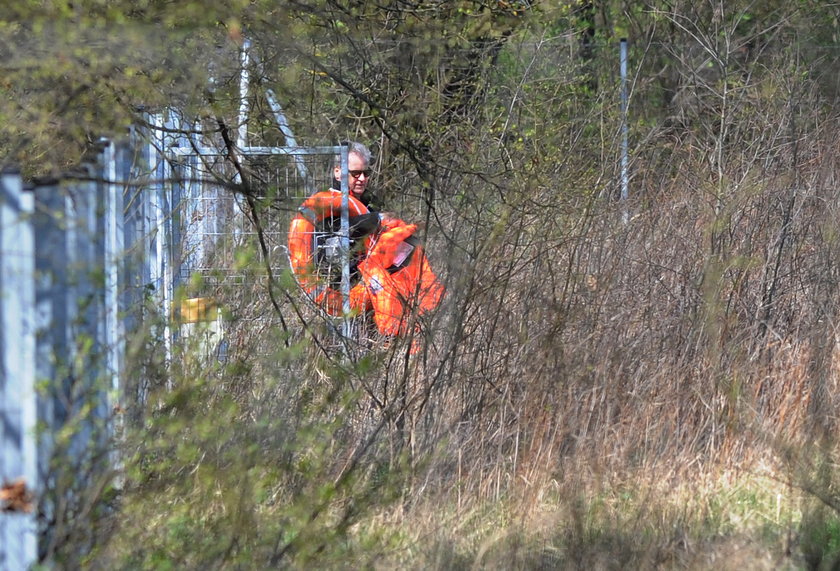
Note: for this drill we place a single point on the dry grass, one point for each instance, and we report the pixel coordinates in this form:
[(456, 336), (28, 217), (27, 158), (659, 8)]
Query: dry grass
[(657, 393), (707, 521), (597, 391)]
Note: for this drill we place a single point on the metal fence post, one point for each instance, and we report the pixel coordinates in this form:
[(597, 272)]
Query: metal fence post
[(345, 241), (160, 234), (53, 318), (624, 129), (18, 399), (114, 246)]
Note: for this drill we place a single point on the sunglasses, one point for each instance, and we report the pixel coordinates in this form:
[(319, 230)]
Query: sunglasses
[(357, 174)]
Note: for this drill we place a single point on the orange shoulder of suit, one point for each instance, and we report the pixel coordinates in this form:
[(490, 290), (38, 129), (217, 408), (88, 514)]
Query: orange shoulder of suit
[(319, 206)]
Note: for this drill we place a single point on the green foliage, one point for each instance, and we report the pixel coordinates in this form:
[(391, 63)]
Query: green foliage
[(820, 541), (212, 479), (574, 339)]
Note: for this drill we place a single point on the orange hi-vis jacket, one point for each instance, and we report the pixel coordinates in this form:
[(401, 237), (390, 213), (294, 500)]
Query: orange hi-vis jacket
[(398, 283), (399, 279), (315, 209)]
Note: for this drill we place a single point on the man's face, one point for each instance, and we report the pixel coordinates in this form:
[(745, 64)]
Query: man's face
[(358, 177)]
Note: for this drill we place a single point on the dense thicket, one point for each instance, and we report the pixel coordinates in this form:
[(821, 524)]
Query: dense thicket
[(688, 327)]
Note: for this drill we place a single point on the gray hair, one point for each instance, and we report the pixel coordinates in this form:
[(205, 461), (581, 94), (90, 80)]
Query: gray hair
[(355, 148)]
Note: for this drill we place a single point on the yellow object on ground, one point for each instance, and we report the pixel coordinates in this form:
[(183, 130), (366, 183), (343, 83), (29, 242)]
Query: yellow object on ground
[(196, 310)]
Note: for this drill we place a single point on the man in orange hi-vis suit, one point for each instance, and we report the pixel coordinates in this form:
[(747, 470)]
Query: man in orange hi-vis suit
[(314, 243), (392, 274)]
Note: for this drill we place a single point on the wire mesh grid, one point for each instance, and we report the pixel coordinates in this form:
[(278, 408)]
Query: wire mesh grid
[(218, 214), (230, 228)]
